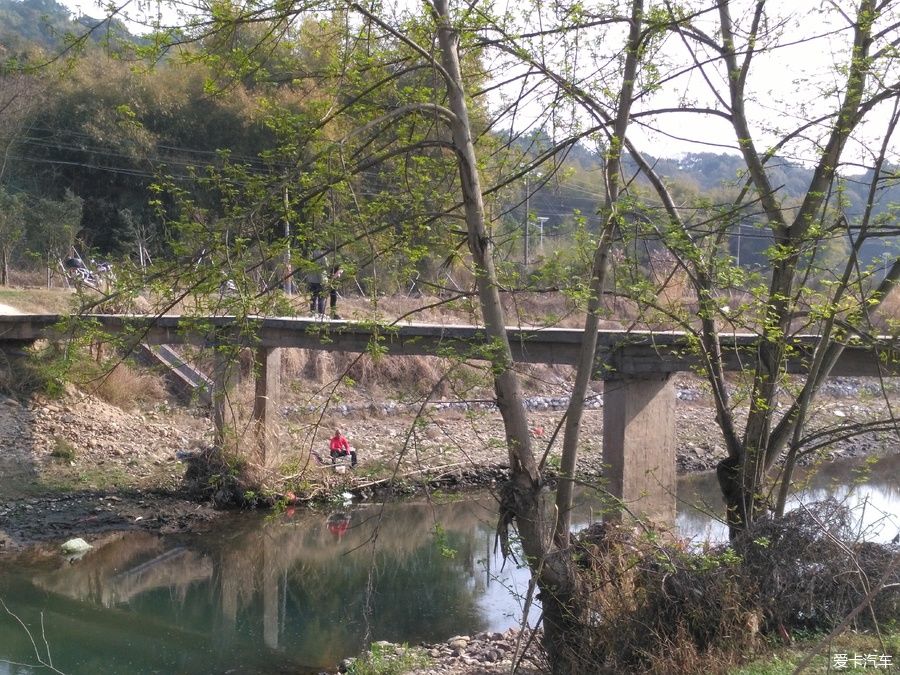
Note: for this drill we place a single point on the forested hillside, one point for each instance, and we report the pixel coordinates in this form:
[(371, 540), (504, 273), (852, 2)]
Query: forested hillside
[(96, 151)]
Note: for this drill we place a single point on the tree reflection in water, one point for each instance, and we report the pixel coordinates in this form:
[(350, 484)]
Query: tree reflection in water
[(304, 590), (312, 587)]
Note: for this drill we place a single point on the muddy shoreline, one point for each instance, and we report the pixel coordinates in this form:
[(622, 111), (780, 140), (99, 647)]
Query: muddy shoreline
[(129, 469)]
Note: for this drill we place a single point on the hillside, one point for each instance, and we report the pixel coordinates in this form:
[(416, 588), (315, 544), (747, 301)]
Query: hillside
[(101, 141), (26, 25)]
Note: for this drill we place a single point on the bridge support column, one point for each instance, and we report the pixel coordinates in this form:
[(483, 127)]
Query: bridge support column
[(226, 371), (639, 444), (267, 367)]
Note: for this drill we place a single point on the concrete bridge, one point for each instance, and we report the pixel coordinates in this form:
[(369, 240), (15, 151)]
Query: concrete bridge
[(636, 367)]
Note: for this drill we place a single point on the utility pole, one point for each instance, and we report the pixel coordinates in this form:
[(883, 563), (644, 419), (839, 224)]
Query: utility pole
[(288, 276), (541, 220), (527, 215)]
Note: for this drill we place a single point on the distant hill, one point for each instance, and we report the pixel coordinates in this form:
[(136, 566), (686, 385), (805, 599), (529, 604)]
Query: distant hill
[(711, 171), (30, 25), (46, 24), (714, 175)]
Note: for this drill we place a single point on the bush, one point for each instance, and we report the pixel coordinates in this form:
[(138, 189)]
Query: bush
[(388, 659), (22, 376), (223, 477), (646, 604), (813, 572)]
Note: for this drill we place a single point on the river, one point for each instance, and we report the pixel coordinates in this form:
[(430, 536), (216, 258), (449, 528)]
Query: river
[(299, 591)]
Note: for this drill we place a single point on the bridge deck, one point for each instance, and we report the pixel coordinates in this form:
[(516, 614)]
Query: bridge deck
[(632, 353)]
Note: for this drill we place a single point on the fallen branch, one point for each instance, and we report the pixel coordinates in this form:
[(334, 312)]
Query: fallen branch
[(410, 473)]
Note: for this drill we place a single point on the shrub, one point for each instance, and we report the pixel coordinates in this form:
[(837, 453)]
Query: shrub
[(388, 659), (647, 604), (63, 449)]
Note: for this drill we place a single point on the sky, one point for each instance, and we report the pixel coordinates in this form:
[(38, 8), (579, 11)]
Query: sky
[(790, 83)]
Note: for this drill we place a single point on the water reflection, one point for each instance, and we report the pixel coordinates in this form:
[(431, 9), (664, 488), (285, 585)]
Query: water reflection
[(870, 488), (126, 568), (301, 591)]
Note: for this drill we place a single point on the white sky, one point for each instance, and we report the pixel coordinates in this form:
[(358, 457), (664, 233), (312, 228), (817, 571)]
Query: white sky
[(790, 83)]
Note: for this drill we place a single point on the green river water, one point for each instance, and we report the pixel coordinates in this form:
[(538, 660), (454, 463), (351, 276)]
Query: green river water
[(297, 592)]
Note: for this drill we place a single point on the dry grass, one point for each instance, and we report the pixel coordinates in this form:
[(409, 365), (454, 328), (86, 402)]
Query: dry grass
[(39, 300), (125, 386), (34, 279), (889, 311), (362, 377), (651, 606)]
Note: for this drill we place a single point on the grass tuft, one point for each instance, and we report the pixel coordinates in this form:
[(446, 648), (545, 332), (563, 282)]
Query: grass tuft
[(124, 386), (389, 659), (63, 450)]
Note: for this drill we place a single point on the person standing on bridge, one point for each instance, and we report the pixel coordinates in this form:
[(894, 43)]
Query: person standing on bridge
[(321, 276), (340, 447), (334, 277), (315, 278)]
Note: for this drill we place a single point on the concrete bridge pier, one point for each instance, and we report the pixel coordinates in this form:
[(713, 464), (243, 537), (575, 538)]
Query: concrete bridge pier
[(267, 368), (639, 445), (267, 371)]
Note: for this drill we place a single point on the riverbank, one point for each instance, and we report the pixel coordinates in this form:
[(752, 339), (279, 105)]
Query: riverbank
[(79, 466), (487, 653), (495, 653), (126, 473)]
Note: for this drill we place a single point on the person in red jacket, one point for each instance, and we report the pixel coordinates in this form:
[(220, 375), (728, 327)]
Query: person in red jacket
[(340, 447)]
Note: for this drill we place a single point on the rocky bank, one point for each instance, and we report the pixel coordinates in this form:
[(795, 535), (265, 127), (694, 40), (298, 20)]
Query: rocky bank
[(479, 654), (78, 465)]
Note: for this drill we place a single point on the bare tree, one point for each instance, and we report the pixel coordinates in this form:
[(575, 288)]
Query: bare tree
[(727, 56)]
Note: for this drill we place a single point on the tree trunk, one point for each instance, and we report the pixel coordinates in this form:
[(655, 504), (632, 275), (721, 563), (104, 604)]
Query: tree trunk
[(585, 365), (4, 267), (520, 499), (761, 448)]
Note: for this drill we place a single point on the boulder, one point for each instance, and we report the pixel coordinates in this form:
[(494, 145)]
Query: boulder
[(76, 546)]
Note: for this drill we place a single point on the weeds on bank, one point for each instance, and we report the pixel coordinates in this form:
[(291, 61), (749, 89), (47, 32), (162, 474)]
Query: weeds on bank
[(115, 381), (63, 450), (847, 653), (49, 368), (375, 469), (41, 373), (652, 606), (74, 479), (387, 659)]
